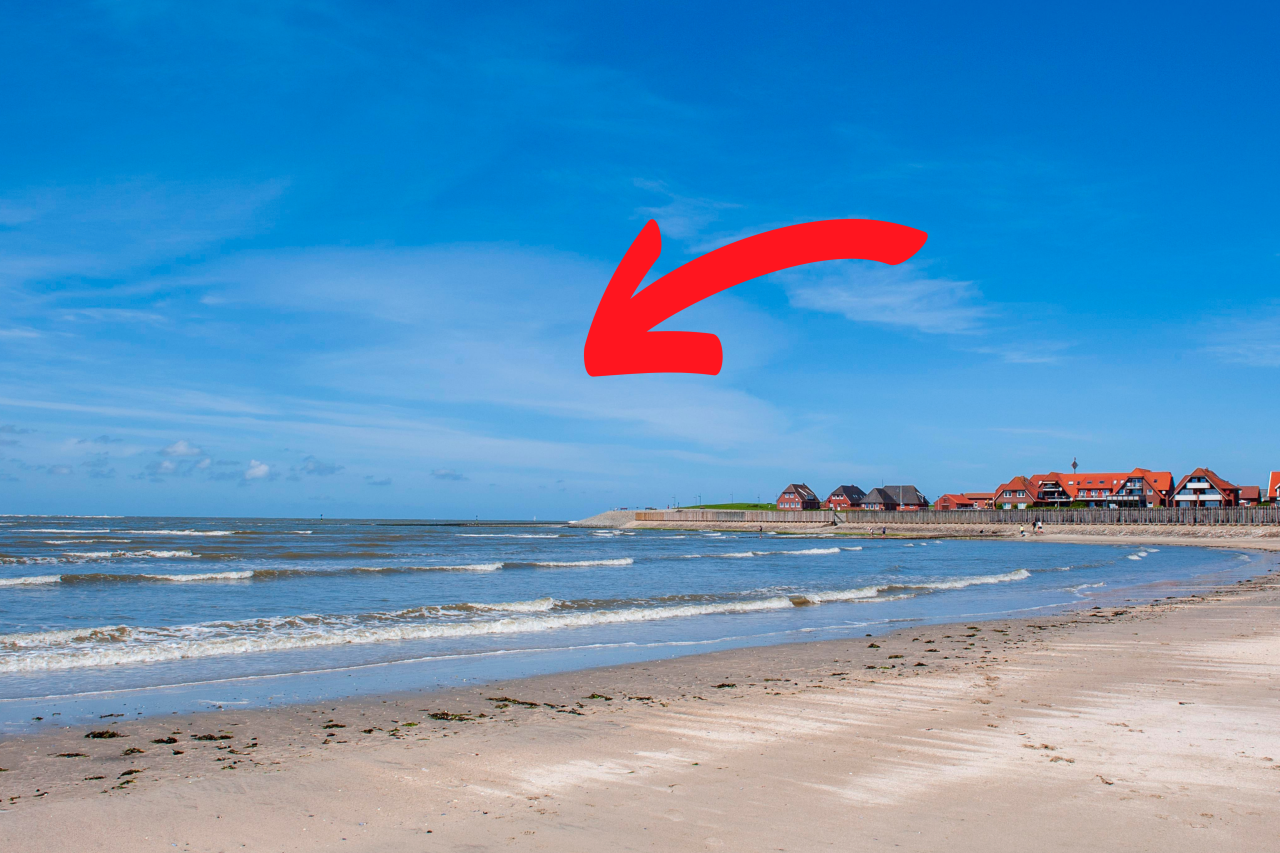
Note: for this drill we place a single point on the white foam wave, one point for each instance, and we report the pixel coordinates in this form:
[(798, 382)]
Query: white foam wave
[(852, 548), (30, 581), (121, 644), (62, 530), (540, 605), (743, 554), (179, 532), (75, 649), (115, 555), (509, 535), (620, 561), (1134, 557), (82, 541), (204, 576), (976, 580)]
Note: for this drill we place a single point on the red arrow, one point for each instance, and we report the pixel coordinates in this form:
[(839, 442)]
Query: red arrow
[(620, 341)]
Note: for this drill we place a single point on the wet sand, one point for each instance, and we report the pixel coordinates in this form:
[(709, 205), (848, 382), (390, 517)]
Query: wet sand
[(1138, 728)]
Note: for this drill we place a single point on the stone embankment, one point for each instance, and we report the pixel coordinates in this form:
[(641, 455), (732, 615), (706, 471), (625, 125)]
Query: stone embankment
[(1266, 537)]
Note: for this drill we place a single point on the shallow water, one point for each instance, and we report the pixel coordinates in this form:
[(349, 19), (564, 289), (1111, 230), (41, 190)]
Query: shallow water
[(151, 615)]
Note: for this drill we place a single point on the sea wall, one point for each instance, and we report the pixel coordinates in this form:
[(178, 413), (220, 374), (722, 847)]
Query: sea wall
[(1229, 516)]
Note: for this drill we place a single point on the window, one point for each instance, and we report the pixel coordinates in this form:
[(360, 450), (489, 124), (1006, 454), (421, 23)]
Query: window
[(1021, 494)]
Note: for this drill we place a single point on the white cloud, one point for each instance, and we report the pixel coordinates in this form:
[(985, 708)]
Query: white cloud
[(683, 217), (182, 448), (1253, 341), (257, 470), (902, 295)]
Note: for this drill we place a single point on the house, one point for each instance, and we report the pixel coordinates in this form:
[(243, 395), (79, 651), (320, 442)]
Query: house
[(1250, 496), (1140, 488), (1202, 487), (1018, 493), (909, 498), (844, 497), (951, 502), (1137, 488), (879, 499), (967, 500), (1273, 487), (797, 496)]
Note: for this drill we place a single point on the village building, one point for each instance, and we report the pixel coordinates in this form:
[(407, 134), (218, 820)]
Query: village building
[(1137, 488), (797, 496), (1203, 488), (1273, 487), (967, 500), (902, 498), (952, 502), (1018, 493), (879, 499), (844, 497), (1250, 496), (908, 497)]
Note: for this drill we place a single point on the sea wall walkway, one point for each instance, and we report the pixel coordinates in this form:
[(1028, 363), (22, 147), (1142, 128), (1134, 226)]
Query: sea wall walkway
[(1225, 516)]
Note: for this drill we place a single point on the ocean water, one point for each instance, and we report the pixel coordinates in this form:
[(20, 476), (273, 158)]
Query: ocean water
[(147, 615)]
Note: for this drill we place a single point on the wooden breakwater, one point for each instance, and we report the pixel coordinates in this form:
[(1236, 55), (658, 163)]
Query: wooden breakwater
[(1250, 516)]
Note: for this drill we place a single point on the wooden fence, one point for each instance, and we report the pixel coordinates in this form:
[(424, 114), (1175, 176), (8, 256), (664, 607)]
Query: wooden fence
[(1246, 516)]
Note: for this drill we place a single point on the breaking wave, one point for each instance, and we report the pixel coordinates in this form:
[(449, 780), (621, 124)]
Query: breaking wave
[(123, 644)]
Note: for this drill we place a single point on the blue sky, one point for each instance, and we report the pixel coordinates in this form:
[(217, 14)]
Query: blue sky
[(301, 258)]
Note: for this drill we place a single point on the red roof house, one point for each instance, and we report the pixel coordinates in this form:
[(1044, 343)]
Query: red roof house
[(797, 496), (1202, 487), (952, 502)]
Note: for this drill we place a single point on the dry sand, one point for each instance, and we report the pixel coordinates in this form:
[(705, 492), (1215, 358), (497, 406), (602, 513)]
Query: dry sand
[(1145, 728)]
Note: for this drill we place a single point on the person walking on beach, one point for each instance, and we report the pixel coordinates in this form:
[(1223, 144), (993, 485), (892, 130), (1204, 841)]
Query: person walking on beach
[(1022, 531)]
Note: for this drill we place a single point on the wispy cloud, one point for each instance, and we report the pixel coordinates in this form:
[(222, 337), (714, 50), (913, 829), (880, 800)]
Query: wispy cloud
[(182, 447), (902, 295), (257, 470), (447, 474), (313, 467), (1252, 341), (682, 217)]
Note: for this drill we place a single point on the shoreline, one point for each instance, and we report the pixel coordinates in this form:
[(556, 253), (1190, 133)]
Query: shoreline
[(555, 751), (1260, 538)]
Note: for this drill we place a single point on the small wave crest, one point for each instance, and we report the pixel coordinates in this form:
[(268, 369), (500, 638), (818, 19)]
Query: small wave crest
[(123, 644), (36, 580), (568, 564)]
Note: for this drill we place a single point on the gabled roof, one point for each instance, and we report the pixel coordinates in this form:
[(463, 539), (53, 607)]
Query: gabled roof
[(1272, 483), (957, 499), (907, 495), (803, 491), (979, 496), (1250, 493), (1072, 483), (853, 493), (1214, 480), (880, 496), (1017, 483)]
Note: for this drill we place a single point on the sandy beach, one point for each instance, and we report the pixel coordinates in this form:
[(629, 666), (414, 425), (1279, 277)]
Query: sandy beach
[(1146, 727)]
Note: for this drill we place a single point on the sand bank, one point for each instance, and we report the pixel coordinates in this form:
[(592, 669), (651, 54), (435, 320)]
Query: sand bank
[(1139, 728)]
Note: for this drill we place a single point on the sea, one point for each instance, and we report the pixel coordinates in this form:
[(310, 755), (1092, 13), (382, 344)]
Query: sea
[(141, 616)]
